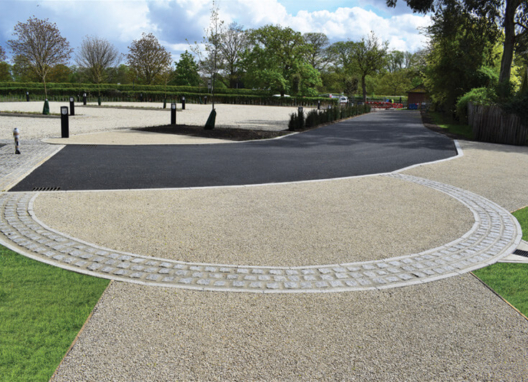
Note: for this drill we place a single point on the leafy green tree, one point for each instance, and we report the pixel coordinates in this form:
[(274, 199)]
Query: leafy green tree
[(512, 15), (461, 45), (395, 61), (59, 74), (186, 73), (277, 60), (5, 72), (370, 56), (394, 83), (2, 54)]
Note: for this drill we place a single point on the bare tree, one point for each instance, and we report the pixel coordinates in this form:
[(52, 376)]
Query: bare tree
[(95, 56), (318, 57), (41, 45), (233, 42), (148, 58), (2, 54)]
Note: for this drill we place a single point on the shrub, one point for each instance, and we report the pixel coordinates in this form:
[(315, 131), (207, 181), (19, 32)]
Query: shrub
[(478, 96)]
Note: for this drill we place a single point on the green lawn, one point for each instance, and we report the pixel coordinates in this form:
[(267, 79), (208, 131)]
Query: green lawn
[(509, 280), (42, 308), (442, 121)]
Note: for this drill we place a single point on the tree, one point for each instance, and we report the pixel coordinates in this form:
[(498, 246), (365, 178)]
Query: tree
[(5, 72), (462, 51), (395, 83), (2, 54), (277, 60), (512, 15), (370, 56), (148, 59), (60, 73), (396, 61), (233, 42), (318, 56), (40, 46), (186, 73), (95, 56)]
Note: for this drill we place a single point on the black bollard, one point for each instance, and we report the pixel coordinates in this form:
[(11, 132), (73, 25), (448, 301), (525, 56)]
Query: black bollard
[(173, 113), (319, 104), (141, 97), (205, 100), (65, 128), (72, 106), (183, 103), (84, 99), (27, 96)]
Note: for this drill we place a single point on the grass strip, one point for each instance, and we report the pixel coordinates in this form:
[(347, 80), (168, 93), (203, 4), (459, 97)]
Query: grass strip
[(508, 279), (42, 308), (442, 121)]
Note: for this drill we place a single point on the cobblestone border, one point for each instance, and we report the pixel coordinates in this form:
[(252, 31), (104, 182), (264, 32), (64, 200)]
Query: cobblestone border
[(495, 234)]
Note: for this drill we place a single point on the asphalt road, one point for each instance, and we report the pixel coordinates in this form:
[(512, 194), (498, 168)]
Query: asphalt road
[(374, 143)]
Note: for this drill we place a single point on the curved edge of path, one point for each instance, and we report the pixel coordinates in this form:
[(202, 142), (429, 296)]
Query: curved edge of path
[(494, 235)]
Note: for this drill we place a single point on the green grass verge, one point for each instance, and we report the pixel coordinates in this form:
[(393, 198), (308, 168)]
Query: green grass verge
[(42, 308), (509, 280), (442, 121)]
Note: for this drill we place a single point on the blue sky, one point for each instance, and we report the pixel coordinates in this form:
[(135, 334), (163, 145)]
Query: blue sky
[(174, 22)]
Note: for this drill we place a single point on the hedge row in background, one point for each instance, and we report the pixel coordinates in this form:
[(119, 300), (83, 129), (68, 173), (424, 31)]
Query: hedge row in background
[(298, 121), (63, 94), (38, 87)]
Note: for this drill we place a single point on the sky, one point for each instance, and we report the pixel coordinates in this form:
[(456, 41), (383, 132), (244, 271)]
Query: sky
[(176, 23)]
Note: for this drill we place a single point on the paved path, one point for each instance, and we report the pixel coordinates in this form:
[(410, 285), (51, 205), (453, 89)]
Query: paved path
[(369, 144), (449, 329)]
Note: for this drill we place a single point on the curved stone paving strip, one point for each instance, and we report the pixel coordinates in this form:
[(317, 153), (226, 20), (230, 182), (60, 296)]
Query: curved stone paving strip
[(495, 234)]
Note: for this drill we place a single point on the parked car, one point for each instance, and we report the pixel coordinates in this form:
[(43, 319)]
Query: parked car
[(343, 99)]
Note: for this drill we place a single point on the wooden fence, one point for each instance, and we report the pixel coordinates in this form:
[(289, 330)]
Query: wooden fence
[(491, 124)]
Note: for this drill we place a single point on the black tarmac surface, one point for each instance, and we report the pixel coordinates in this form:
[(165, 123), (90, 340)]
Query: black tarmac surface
[(374, 143)]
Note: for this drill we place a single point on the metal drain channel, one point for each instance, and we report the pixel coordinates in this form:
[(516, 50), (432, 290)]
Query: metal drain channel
[(46, 188), (520, 252)]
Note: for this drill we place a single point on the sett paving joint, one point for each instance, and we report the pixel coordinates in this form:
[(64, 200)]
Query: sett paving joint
[(495, 234)]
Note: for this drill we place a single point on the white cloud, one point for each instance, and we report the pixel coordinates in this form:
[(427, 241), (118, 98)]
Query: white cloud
[(175, 21)]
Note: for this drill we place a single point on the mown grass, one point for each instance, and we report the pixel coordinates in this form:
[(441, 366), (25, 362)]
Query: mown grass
[(42, 308), (455, 128), (509, 280)]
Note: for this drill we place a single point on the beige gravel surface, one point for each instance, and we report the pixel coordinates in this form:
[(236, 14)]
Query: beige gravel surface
[(497, 172), (282, 225), (454, 329), (94, 119)]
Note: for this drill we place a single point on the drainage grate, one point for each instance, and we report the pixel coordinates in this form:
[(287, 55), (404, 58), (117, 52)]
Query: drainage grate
[(520, 252), (46, 188)]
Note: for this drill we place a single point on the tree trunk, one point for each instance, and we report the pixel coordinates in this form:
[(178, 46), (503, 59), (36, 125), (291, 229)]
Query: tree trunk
[(509, 40), (364, 87)]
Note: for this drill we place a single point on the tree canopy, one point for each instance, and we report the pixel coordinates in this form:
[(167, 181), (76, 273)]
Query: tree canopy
[(95, 56), (186, 73), (511, 15), (148, 58), (276, 59), (39, 46), (370, 56)]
